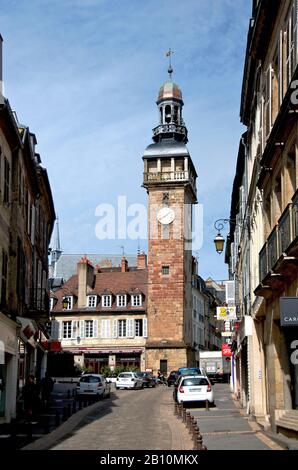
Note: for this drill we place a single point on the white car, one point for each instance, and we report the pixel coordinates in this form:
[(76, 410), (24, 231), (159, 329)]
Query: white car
[(93, 385), (129, 380), (194, 388)]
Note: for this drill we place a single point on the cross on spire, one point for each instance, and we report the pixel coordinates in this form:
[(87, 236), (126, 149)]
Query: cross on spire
[(169, 55)]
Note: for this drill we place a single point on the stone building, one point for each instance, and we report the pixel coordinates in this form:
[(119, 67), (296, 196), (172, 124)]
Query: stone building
[(26, 222), (104, 319), (262, 250), (170, 181)]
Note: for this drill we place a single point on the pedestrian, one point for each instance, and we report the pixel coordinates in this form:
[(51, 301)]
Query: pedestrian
[(30, 397), (46, 386)]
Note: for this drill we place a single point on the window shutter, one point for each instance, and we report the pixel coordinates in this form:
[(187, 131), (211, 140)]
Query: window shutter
[(95, 328), (115, 329), (103, 329), (60, 329), (108, 328), (130, 328), (230, 292), (32, 224), (73, 329), (55, 329), (145, 328), (82, 329)]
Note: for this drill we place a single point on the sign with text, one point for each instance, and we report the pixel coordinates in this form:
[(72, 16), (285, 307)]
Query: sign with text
[(226, 313), (289, 311), (226, 350)]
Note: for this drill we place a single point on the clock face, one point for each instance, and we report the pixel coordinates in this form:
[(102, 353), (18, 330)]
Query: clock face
[(166, 215)]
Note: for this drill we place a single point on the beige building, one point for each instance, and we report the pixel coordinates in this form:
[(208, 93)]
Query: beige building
[(263, 247), (103, 321)]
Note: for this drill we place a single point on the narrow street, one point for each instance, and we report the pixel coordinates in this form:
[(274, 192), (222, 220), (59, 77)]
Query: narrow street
[(144, 420)]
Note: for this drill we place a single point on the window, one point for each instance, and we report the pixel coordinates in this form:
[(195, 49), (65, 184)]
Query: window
[(4, 277), (88, 328), (139, 327), (122, 328), (105, 329), (6, 181), (91, 301), (165, 270), (67, 330), (136, 300), (121, 300), (106, 300), (69, 298)]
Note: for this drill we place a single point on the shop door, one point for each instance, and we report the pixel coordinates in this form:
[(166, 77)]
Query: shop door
[(291, 334)]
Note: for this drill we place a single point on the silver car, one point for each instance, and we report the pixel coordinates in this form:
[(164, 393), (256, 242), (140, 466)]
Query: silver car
[(129, 380)]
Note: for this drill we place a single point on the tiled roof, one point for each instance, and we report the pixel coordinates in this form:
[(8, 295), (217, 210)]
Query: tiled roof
[(113, 281)]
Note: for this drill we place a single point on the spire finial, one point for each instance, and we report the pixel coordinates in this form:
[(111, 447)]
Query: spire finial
[(169, 55)]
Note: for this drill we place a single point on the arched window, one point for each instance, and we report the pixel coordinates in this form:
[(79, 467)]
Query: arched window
[(168, 113), (176, 114)]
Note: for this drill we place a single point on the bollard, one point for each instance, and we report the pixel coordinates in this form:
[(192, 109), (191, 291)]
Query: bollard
[(74, 407), (187, 419), (207, 405), (192, 425), (64, 414), (199, 441), (184, 415), (46, 424), (180, 408), (57, 419), (176, 409), (29, 430)]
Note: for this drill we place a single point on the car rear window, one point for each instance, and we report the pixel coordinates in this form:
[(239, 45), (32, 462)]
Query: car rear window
[(125, 375), (90, 379), (195, 381)]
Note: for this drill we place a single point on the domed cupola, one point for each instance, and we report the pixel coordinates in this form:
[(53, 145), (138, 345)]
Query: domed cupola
[(170, 103)]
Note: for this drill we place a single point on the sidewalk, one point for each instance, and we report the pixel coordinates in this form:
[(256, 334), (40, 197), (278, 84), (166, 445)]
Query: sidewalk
[(223, 427)]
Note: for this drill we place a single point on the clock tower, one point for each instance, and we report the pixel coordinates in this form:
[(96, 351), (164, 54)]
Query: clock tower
[(170, 180)]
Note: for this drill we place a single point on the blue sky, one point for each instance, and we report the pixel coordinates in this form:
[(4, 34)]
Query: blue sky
[(84, 75)]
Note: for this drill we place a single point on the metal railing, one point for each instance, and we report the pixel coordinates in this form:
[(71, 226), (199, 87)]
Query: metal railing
[(285, 229), (263, 265), (272, 248)]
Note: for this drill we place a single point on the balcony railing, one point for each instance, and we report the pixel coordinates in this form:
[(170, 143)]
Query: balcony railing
[(281, 240), (272, 248), (285, 229), (170, 176)]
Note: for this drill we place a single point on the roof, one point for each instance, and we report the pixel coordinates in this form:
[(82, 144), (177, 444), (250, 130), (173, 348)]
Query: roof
[(112, 281), (169, 90), (67, 264), (166, 148)]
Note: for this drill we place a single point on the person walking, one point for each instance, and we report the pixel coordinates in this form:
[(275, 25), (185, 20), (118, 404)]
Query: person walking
[(46, 386), (30, 397)]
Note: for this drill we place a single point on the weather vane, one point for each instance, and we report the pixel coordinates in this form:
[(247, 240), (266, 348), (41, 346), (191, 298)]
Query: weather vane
[(169, 55)]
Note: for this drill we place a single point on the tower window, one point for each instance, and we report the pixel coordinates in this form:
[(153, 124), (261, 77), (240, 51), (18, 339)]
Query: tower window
[(168, 113), (176, 114), (165, 270)]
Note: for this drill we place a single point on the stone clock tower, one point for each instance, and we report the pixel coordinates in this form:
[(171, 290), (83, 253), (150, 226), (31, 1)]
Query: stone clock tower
[(170, 180)]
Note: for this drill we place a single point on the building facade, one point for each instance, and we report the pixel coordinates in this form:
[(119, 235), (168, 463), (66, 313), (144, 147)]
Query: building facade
[(104, 320), (26, 222), (263, 244)]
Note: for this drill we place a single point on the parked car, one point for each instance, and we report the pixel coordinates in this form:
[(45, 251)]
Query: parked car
[(191, 371), (129, 380), (193, 388), (93, 384), (172, 377), (148, 379)]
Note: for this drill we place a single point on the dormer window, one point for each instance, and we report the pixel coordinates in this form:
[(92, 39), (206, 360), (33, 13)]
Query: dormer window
[(67, 302), (91, 301), (121, 300), (106, 301), (136, 300)]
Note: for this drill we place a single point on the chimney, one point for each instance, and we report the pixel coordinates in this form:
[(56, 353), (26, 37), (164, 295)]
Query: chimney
[(1, 72), (85, 280), (142, 261), (124, 265)]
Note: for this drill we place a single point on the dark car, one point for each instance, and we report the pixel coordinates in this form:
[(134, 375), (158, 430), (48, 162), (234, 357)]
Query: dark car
[(148, 379), (172, 377)]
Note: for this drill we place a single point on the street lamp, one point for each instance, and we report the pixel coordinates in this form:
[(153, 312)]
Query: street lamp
[(219, 240), (65, 303)]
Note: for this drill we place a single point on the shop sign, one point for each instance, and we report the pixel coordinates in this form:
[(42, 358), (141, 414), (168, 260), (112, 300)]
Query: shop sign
[(226, 350), (289, 311), (226, 313)]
